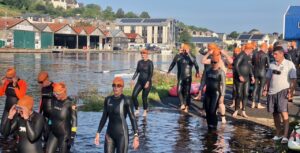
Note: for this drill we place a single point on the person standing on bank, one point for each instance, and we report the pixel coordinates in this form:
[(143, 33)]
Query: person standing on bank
[(281, 80), (242, 74), (14, 88), (185, 62), (145, 71), (260, 62), (116, 108)]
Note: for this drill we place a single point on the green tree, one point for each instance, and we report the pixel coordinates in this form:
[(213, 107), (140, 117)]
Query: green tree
[(185, 37), (91, 11), (120, 13), (144, 15), (233, 34), (131, 15), (108, 14)]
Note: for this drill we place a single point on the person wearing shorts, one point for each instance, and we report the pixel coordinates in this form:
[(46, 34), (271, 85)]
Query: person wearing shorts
[(281, 80)]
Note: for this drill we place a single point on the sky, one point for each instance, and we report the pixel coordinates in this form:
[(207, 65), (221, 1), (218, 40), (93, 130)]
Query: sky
[(222, 16)]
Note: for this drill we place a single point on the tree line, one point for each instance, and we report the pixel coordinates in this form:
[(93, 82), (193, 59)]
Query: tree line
[(88, 11)]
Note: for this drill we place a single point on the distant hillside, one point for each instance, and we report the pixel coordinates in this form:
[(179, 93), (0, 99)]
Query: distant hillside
[(5, 10)]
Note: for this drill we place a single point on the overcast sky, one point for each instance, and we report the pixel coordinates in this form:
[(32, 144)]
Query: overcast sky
[(217, 15)]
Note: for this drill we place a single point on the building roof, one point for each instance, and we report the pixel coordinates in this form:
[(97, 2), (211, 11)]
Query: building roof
[(257, 37), (27, 15), (78, 29), (9, 22), (131, 35), (244, 37), (89, 29), (56, 26), (113, 33), (205, 39), (293, 11), (143, 21), (40, 26)]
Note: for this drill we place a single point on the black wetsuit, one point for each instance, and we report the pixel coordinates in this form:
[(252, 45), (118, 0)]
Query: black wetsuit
[(242, 67), (260, 62), (63, 118), (29, 132), (145, 71), (116, 110), (215, 87), (46, 107), (11, 99), (184, 62)]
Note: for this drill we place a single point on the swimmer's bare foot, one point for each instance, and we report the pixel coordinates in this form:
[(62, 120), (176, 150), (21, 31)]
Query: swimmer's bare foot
[(232, 105), (259, 106), (182, 107), (145, 113), (186, 110), (223, 119), (253, 105), (234, 115), (136, 112), (244, 114), (202, 112)]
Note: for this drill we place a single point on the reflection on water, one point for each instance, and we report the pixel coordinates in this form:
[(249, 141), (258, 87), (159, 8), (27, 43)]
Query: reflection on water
[(162, 131)]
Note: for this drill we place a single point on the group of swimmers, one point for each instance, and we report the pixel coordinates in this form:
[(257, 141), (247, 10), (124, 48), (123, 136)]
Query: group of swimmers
[(55, 125), (52, 128)]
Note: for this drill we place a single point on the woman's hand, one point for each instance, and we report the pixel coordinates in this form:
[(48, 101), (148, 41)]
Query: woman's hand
[(97, 139), (136, 143)]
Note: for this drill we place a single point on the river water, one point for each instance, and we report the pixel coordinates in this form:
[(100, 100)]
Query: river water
[(164, 130)]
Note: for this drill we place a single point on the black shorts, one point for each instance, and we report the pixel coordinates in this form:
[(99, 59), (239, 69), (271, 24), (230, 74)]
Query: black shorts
[(278, 102)]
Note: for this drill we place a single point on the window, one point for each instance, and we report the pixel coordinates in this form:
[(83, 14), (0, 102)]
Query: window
[(122, 28), (132, 29), (159, 40)]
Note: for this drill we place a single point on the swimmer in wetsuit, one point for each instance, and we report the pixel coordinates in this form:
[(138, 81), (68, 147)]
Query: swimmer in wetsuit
[(260, 62), (242, 75), (27, 124), (218, 52), (145, 71), (116, 108), (63, 120), (236, 52), (46, 101), (14, 88), (185, 62), (214, 79)]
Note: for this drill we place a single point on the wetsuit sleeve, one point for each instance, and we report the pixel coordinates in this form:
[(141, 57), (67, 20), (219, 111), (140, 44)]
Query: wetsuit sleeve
[(21, 90), (104, 116), (203, 80), (237, 63), (223, 83), (3, 88), (194, 59), (150, 71), (136, 71), (173, 63), (74, 119), (34, 128), (9, 126), (131, 116), (267, 61)]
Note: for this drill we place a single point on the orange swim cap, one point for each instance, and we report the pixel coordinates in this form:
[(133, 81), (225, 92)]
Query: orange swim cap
[(237, 50), (249, 46), (144, 51), (212, 46), (43, 76), (270, 48), (27, 102), (254, 44), (185, 47), (59, 87), (263, 46), (216, 52), (11, 72), (118, 80)]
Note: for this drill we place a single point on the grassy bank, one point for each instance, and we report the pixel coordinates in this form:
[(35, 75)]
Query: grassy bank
[(11, 12), (93, 100)]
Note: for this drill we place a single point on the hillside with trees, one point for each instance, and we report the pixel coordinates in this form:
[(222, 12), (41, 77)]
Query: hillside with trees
[(18, 7)]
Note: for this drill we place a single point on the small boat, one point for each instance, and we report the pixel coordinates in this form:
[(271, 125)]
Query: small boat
[(194, 89), (294, 141), (124, 75)]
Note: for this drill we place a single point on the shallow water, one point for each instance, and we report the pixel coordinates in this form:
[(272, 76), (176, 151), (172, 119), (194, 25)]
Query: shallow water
[(164, 130)]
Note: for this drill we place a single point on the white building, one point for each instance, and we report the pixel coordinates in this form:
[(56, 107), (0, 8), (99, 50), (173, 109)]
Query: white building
[(64, 3), (160, 32)]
